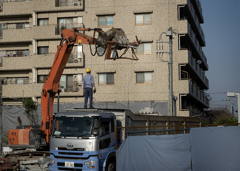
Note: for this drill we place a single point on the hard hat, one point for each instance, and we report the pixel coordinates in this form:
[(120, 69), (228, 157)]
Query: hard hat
[(88, 70)]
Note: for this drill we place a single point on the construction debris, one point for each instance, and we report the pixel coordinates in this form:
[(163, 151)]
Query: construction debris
[(25, 160)]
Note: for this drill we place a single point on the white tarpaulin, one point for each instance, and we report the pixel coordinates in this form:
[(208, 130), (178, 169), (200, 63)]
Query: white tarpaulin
[(216, 148), (153, 153)]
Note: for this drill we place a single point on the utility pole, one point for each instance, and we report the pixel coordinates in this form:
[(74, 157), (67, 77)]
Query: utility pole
[(170, 63), (232, 94), (160, 50), (1, 125)]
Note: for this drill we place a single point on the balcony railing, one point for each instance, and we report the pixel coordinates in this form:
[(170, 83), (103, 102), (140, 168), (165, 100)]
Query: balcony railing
[(197, 45), (60, 28), (5, 1), (65, 3), (196, 67), (199, 7), (18, 53), (196, 20), (70, 86), (197, 93), (15, 81)]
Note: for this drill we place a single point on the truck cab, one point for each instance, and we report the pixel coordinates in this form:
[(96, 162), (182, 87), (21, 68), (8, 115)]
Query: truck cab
[(83, 139)]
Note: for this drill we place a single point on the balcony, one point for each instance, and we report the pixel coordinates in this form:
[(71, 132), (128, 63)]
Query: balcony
[(188, 38), (45, 32), (68, 88), (15, 63), (14, 88), (39, 61), (59, 28), (198, 94), (198, 6), (195, 70), (192, 97), (14, 7), (57, 5), (46, 60), (193, 19), (16, 34)]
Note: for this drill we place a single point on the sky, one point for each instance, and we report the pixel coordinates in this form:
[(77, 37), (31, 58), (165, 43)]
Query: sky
[(222, 34)]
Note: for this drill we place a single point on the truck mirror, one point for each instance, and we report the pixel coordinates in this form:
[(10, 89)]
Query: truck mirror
[(96, 124), (95, 132)]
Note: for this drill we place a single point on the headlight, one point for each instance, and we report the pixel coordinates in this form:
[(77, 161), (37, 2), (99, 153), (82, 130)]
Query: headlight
[(52, 161), (89, 163)]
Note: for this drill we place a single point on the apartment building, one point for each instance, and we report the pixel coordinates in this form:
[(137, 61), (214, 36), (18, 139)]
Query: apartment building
[(30, 32)]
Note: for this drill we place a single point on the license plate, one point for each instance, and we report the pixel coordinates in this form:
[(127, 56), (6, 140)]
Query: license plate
[(69, 164)]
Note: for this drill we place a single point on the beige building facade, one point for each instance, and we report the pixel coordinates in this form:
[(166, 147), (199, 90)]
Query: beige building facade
[(30, 32)]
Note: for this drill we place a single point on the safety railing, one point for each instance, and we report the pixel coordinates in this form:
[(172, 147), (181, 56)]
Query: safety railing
[(70, 86), (15, 81), (22, 25)]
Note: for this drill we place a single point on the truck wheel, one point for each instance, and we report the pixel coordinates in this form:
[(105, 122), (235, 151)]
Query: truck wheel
[(111, 166)]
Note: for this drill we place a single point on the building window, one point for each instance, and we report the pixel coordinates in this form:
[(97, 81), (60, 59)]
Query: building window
[(41, 78), (65, 23), (144, 48), (106, 78), (3, 26), (105, 20), (43, 22), (43, 50), (143, 19), (144, 77), (62, 3), (66, 82)]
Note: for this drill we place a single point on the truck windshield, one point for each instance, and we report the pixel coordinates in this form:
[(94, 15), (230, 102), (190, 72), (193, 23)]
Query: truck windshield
[(72, 127)]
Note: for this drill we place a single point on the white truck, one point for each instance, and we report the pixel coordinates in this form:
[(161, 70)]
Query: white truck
[(84, 139)]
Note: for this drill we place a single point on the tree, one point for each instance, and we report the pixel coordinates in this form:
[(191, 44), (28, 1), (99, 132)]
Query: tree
[(226, 120), (220, 116), (30, 110)]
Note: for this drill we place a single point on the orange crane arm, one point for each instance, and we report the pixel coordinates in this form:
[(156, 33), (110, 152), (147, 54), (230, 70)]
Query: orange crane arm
[(69, 38)]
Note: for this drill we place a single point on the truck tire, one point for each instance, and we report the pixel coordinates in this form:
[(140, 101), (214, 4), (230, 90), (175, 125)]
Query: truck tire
[(111, 165)]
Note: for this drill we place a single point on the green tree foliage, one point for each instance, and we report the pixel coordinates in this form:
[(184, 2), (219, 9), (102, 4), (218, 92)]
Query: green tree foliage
[(204, 123), (30, 110), (226, 120), (4, 138)]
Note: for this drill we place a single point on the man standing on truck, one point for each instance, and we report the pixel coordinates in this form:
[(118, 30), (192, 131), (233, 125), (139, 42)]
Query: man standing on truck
[(88, 85)]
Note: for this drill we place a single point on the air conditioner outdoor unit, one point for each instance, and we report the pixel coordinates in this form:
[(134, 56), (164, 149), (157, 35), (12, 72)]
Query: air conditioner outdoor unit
[(76, 60), (77, 3)]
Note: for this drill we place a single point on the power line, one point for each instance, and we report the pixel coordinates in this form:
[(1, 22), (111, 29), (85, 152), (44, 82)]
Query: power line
[(217, 93)]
